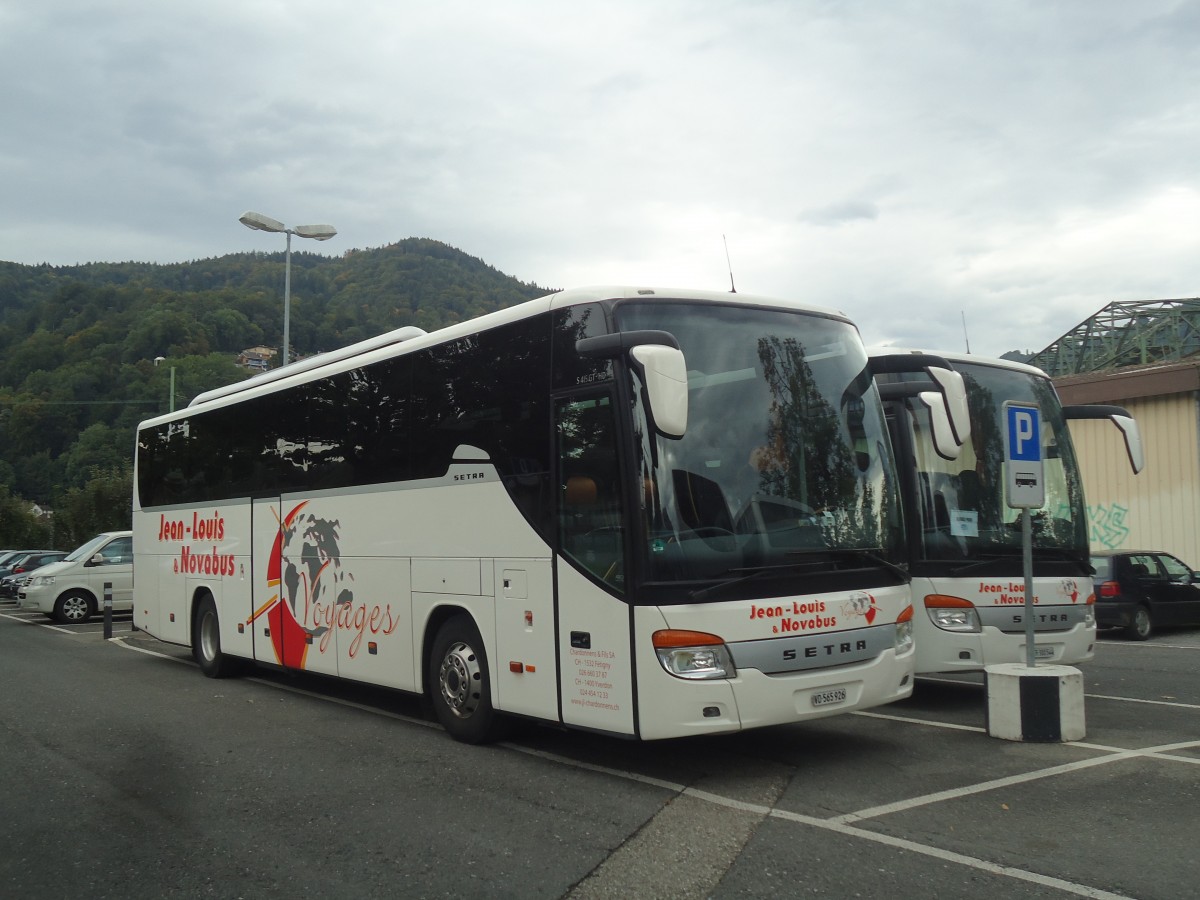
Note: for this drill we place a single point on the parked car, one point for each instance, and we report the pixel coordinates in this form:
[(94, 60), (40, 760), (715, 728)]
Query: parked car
[(28, 559), (1143, 590), (22, 566), (11, 557), (9, 585), (72, 589)]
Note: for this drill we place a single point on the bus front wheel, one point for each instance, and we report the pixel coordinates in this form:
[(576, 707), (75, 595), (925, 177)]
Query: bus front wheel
[(460, 683), (206, 641)]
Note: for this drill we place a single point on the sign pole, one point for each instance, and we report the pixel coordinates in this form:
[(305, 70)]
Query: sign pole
[(1027, 562), (1026, 490)]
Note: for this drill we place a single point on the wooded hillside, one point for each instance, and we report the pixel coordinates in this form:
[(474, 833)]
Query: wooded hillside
[(78, 346)]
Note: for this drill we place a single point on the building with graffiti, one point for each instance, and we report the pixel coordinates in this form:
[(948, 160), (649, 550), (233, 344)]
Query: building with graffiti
[(1144, 356)]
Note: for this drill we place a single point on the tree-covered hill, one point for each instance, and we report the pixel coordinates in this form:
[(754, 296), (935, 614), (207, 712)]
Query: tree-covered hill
[(78, 346)]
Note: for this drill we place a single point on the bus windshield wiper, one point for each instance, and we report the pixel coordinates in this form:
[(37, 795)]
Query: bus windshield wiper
[(872, 556), (757, 573), (825, 559), (987, 557)]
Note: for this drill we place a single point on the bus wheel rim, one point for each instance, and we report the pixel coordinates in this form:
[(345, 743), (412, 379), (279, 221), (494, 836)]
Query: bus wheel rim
[(208, 637), (459, 680)]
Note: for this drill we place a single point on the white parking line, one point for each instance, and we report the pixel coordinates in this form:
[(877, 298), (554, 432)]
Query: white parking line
[(1092, 696), (1141, 645), (912, 720), (839, 827), (148, 652), (37, 623), (1151, 702), (1070, 887), (954, 793)]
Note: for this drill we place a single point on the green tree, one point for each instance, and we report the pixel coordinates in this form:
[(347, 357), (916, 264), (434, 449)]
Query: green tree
[(104, 503), (19, 527)]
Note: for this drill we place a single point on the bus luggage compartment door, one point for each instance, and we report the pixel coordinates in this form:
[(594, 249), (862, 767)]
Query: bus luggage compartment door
[(524, 667)]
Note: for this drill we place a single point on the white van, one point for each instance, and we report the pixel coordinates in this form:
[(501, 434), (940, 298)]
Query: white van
[(72, 589)]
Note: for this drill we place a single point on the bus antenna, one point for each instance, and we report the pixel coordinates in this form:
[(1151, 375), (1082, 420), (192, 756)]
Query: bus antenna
[(732, 289), (966, 337)]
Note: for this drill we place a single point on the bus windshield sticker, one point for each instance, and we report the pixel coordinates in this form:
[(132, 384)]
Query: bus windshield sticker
[(964, 523)]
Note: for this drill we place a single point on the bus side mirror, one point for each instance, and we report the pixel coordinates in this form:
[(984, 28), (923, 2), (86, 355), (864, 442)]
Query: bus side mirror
[(660, 363), (944, 441), (954, 394), (1120, 417), (664, 372), (954, 419)]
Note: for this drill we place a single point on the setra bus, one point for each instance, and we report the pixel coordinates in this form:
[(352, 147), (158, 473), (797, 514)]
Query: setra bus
[(965, 543), (641, 512)]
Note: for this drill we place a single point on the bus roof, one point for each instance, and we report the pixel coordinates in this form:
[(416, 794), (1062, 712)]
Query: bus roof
[(965, 358), (413, 338)]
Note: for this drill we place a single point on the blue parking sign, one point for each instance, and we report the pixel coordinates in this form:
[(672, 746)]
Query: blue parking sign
[(1023, 455)]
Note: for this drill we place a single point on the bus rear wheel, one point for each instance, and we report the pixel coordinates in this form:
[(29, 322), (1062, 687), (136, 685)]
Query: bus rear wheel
[(206, 641), (460, 684)]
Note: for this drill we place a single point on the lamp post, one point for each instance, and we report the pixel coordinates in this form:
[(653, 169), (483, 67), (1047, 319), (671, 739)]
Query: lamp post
[(171, 400), (259, 222)]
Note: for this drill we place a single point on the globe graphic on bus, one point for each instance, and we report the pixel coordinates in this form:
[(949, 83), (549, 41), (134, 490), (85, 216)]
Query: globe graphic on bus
[(306, 567)]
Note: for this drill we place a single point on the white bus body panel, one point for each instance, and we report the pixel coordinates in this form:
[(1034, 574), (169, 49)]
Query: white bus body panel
[(1003, 599), (184, 552), (345, 583)]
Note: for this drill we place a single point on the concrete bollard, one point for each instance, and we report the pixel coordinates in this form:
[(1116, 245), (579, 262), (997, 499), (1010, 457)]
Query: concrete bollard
[(1038, 704), (107, 610)]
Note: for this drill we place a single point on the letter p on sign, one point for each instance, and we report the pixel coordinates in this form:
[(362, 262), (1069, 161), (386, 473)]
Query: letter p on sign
[(1024, 422)]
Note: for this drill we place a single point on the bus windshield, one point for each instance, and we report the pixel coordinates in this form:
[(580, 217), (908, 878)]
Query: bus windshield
[(786, 459), (962, 505)]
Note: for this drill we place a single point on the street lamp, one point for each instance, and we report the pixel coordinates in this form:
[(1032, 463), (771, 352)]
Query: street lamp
[(171, 402), (259, 222)]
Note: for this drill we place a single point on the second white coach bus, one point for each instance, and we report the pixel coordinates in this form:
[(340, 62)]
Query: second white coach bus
[(965, 543), (641, 512)]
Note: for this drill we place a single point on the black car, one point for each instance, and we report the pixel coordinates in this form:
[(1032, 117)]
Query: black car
[(21, 565), (1141, 590)]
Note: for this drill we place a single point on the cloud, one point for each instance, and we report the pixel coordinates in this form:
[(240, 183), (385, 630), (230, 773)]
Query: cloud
[(1020, 163), (840, 213)]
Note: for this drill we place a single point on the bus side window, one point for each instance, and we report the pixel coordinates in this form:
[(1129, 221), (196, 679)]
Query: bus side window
[(591, 514)]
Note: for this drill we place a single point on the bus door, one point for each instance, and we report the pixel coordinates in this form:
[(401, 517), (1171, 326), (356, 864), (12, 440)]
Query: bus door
[(283, 605), (594, 621)]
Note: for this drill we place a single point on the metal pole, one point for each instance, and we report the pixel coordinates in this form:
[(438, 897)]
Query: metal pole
[(1027, 562), (172, 404), (287, 296)]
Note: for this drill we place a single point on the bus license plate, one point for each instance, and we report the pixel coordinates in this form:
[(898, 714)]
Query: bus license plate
[(824, 698), (1043, 652)]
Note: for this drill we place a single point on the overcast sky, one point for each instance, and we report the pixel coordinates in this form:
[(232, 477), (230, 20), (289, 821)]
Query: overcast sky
[(1016, 164)]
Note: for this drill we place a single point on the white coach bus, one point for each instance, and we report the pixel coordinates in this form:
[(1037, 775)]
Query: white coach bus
[(641, 512), (965, 543)]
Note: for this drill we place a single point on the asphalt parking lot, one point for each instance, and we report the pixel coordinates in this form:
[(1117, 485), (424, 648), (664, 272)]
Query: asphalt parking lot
[(913, 798)]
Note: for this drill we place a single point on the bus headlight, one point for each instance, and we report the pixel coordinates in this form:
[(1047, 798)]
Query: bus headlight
[(904, 631), (693, 654), (952, 613), (41, 581)]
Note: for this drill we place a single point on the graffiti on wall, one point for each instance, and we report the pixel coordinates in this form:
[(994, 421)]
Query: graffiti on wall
[(1106, 525)]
